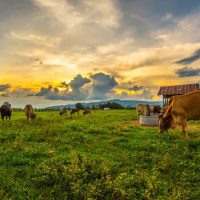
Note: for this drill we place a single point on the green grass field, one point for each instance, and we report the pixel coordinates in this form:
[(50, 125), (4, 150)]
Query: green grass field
[(99, 156)]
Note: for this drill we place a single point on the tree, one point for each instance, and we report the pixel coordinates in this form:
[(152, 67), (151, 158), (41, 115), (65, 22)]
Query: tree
[(80, 106)]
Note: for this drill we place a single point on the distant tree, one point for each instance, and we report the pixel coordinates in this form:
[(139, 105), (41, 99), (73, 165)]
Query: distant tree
[(111, 105), (80, 106)]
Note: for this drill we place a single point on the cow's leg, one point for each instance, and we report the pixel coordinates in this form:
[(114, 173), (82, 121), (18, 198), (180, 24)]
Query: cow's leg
[(184, 126)]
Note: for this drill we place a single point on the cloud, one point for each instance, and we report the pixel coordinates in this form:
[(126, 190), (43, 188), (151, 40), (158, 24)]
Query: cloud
[(167, 17), (104, 13), (183, 30), (136, 88), (187, 72), (195, 56), (102, 85), (44, 91), (4, 87), (78, 82), (98, 86), (18, 92), (74, 90)]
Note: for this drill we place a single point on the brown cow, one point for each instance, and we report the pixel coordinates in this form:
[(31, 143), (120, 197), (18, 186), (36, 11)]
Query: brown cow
[(87, 111), (143, 109), (155, 109), (63, 111), (182, 108), (5, 111), (74, 110), (29, 112)]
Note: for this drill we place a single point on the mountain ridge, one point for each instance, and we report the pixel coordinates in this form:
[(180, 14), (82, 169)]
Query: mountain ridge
[(124, 103)]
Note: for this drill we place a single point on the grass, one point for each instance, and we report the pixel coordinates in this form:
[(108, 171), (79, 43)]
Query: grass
[(98, 156)]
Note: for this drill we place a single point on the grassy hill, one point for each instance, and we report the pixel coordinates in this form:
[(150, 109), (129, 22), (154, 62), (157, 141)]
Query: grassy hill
[(99, 156)]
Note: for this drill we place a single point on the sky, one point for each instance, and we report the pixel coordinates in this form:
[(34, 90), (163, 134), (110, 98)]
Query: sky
[(61, 51)]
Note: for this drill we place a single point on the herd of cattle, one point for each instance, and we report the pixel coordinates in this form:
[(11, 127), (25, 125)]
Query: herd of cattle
[(147, 110), (180, 109), (6, 111)]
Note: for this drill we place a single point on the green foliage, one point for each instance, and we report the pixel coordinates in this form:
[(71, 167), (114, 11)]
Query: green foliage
[(99, 156), (111, 105), (80, 106)]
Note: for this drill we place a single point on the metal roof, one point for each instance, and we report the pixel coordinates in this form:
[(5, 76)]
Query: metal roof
[(178, 89)]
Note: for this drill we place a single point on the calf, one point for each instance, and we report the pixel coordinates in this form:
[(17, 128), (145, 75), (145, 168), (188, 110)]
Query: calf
[(6, 111), (74, 110), (143, 109)]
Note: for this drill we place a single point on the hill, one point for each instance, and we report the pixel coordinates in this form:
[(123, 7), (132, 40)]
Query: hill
[(124, 103)]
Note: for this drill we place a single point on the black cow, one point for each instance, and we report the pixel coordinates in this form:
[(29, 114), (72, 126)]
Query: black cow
[(6, 111)]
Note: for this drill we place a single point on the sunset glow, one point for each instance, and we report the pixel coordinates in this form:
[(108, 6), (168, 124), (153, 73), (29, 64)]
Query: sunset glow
[(103, 49)]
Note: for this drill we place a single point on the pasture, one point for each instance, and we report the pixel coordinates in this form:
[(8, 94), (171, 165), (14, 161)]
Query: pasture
[(99, 156)]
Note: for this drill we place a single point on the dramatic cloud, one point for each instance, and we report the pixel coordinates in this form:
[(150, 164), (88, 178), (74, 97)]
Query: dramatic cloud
[(78, 82), (68, 91), (102, 85), (195, 56), (54, 40), (188, 72), (99, 86), (4, 87)]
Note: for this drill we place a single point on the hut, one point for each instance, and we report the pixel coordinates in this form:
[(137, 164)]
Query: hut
[(169, 91)]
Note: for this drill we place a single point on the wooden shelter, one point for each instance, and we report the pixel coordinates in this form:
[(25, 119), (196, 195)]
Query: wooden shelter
[(169, 91)]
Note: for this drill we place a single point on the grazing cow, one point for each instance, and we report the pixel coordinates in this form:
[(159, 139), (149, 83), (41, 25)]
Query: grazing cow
[(87, 111), (63, 111), (155, 108), (74, 110), (182, 108), (6, 111), (143, 110), (29, 112)]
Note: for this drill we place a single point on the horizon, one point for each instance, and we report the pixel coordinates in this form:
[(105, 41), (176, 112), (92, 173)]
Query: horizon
[(57, 52)]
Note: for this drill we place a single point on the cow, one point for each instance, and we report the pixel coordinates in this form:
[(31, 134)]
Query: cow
[(29, 112), (155, 109), (181, 109), (6, 111), (87, 111), (143, 109), (63, 111), (74, 110)]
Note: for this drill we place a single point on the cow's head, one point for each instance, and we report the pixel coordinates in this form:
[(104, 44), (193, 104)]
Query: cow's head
[(33, 115), (164, 123)]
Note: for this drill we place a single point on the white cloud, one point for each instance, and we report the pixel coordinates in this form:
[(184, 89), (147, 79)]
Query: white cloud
[(105, 12), (167, 17), (184, 30)]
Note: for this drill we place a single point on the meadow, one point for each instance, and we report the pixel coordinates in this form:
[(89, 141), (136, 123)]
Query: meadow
[(99, 156)]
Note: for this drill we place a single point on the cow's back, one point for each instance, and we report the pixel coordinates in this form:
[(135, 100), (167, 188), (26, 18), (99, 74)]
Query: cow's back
[(188, 104)]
